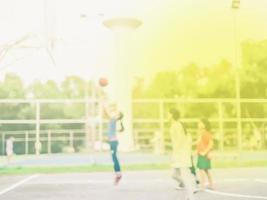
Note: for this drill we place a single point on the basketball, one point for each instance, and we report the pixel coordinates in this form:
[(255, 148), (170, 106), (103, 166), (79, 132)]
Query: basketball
[(103, 82)]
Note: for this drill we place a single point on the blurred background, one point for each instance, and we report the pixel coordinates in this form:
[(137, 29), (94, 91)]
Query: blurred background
[(207, 58)]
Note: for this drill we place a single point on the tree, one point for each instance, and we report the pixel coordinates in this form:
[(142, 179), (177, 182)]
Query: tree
[(254, 69), (73, 87), (47, 90), (253, 76), (217, 81), (12, 87)]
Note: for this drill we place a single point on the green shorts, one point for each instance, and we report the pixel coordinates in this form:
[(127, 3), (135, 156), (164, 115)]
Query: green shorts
[(203, 163)]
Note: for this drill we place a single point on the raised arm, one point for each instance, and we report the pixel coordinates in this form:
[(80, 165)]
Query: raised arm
[(104, 102)]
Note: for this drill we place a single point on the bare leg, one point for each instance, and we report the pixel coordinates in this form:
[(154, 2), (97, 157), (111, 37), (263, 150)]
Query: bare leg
[(202, 179), (188, 183), (209, 179), (177, 176)]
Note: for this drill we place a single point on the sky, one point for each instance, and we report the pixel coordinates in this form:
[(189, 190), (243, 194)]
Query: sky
[(173, 33)]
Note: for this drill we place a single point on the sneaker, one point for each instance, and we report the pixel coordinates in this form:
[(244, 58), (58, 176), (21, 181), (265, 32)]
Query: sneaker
[(180, 187), (197, 190), (210, 188), (117, 179)]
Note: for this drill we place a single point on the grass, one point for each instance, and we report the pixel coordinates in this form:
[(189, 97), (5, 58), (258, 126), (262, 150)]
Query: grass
[(133, 167), (77, 169), (239, 164)]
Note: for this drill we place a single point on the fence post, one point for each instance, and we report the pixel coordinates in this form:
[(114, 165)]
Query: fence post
[(37, 140), (49, 142), (71, 139), (26, 142), (100, 127), (221, 136), (239, 125), (3, 143), (162, 128), (87, 126)]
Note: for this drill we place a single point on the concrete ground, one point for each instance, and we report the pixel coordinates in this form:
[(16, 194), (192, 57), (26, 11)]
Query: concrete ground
[(103, 158), (231, 184)]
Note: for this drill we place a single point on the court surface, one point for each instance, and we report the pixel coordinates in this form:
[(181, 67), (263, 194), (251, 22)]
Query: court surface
[(157, 185)]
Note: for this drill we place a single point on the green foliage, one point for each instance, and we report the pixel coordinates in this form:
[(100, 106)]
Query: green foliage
[(191, 81), (163, 85), (254, 69), (46, 90), (253, 76), (73, 87), (217, 81), (12, 87)]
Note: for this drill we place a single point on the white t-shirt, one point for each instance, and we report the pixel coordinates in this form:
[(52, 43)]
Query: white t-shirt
[(181, 146)]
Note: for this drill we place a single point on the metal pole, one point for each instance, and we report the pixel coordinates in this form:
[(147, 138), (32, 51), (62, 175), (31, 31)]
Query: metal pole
[(235, 7), (101, 126), (220, 108), (49, 142), (239, 120), (93, 123), (71, 138), (26, 142), (37, 140), (162, 140), (87, 115), (3, 143)]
